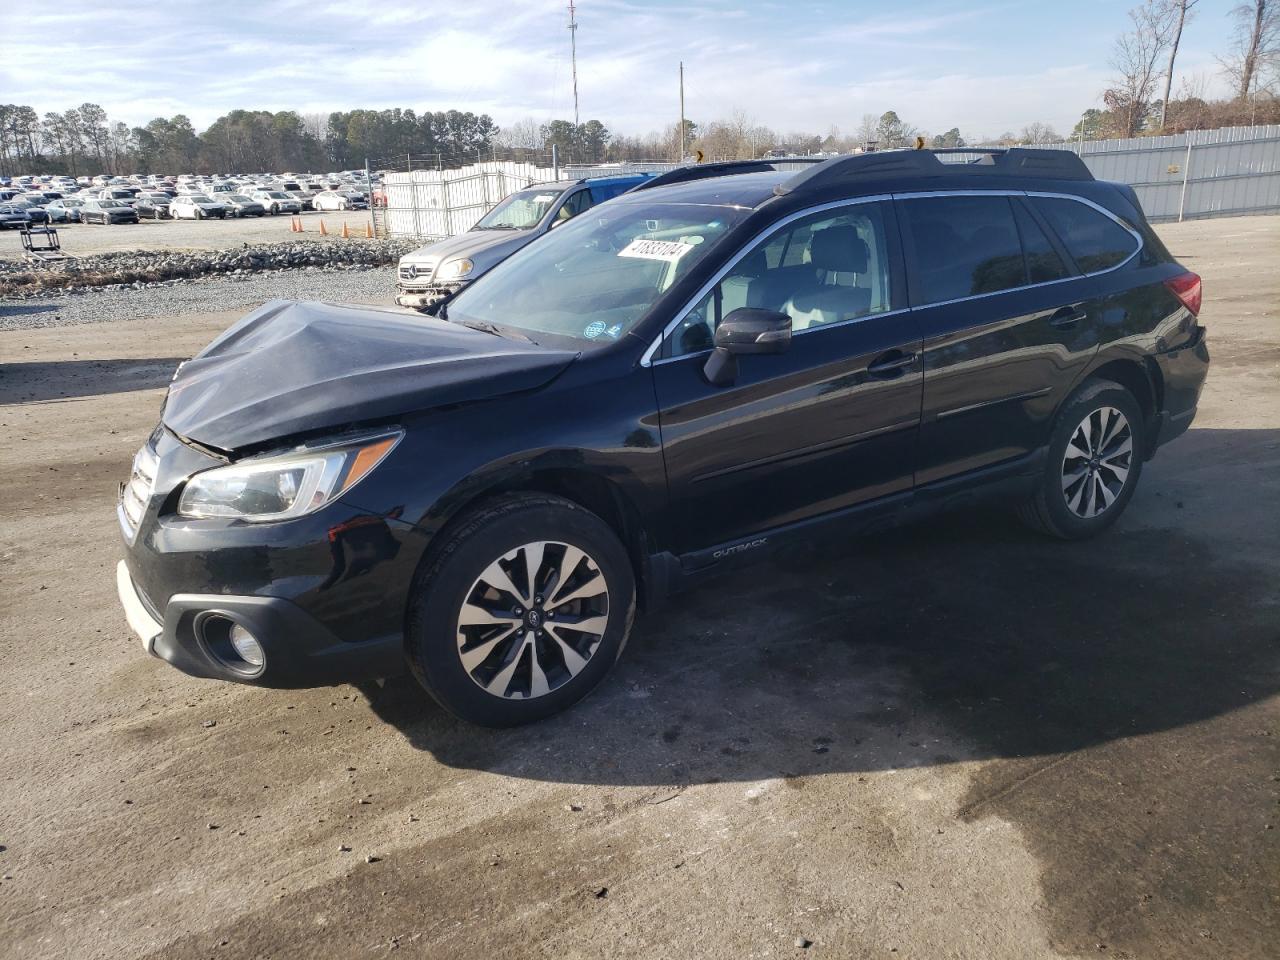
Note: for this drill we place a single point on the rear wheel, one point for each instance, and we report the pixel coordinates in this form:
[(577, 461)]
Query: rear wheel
[(521, 612), (1093, 464)]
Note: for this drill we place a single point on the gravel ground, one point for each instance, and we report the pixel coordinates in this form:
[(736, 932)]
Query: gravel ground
[(376, 285)]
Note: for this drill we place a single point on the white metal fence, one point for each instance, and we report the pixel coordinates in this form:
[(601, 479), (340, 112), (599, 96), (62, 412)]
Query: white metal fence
[(1203, 173)]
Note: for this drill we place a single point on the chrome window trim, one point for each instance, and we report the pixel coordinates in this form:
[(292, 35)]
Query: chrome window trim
[(647, 359)]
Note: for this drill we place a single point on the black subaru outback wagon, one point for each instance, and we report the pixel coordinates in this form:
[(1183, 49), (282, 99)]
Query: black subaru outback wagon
[(707, 366)]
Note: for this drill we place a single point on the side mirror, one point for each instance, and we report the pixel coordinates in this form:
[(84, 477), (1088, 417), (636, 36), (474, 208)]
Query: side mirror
[(744, 331)]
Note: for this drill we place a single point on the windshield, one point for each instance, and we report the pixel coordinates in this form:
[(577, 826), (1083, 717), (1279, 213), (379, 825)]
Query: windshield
[(595, 277), (520, 211), (110, 204), (279, 196)]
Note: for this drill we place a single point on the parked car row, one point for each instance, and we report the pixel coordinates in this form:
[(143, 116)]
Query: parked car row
[(58, 200)]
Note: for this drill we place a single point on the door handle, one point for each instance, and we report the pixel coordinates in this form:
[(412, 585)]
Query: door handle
[(1067, 317), (890, 364)]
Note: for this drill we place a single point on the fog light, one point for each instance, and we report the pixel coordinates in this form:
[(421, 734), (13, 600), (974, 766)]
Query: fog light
[(249, 649)]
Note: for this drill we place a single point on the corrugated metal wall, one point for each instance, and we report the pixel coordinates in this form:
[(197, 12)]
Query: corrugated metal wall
[(1203, 173)]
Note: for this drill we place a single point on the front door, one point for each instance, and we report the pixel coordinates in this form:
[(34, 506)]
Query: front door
[(830, 423)]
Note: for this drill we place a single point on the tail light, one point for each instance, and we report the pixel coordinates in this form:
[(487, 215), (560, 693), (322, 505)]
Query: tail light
[(1186, 287)]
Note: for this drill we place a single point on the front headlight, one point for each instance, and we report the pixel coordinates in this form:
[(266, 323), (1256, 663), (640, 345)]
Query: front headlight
[(285, 486), (454, 269)]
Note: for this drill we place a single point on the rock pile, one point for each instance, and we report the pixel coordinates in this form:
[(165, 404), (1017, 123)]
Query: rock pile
[(143, 268)]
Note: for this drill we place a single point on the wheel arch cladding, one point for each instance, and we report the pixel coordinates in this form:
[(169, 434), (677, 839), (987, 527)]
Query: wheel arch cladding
[(1142, 379), (587, 489)]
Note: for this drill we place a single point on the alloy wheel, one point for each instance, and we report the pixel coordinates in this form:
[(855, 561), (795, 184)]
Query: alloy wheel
[(532, 620), (1096, 463)]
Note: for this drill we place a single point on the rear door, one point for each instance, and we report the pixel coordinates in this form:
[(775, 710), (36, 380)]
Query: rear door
[(1008, 323), (827, 425)]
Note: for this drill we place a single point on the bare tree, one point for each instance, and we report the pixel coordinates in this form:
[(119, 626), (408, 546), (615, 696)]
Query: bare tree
[(1255, 46), (1037, 133), (1179, 13), (316, 125), (522, 135), (866, 132), (1134, 59)]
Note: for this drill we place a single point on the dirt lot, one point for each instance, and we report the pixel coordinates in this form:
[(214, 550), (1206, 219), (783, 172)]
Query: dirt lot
[(82, 239), (954, 741)]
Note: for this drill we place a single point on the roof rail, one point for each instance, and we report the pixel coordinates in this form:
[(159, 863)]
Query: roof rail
[(705, 171), (896, 164)]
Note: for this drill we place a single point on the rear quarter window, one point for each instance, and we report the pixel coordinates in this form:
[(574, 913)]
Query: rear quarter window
[(1094, 240)]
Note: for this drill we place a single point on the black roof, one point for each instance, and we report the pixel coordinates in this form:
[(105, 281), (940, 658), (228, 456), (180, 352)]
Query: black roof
[(746, 184)]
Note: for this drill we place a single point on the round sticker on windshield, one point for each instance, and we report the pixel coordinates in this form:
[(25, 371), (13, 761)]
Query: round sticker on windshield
[(594, 329)]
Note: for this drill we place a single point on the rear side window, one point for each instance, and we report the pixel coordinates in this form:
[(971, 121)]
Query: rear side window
[(1043, 262), (964, 246), (1095, 241)]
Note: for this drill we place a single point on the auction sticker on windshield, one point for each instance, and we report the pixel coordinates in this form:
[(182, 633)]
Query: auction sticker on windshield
[(668, 250)]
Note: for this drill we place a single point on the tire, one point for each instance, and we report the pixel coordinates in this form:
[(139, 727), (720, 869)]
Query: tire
[(199, 214), (457, 578), (1093, 464)]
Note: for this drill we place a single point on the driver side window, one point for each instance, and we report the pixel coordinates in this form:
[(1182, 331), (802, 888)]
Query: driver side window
[(577, 203), (829, 267)]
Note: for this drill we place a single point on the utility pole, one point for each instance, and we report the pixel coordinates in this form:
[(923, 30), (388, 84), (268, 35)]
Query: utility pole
[(682, 147), (573, 52)]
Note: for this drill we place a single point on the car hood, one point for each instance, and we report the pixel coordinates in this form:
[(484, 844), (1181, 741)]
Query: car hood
[(294, 367), (484, 247)]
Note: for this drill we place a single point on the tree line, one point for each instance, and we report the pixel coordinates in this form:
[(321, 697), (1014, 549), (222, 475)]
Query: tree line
[(84, 141)]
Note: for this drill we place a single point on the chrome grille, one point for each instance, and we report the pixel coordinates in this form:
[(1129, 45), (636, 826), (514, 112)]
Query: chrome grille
[(136, 494), (422, 272)]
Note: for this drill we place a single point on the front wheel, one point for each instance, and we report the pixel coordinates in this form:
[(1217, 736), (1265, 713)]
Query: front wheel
[(1093, 463), (521, 612)]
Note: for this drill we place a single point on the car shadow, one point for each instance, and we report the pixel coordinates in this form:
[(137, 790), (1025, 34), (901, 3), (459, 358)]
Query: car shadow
[(963, 638), (68, 379)]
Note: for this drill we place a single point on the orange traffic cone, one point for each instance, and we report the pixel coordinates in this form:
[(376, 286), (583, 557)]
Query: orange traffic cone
[(323, 231), (295, 224), (368, 231), (346, 234)]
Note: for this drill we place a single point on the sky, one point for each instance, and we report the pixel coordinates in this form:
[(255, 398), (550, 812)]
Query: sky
[(792, 66)]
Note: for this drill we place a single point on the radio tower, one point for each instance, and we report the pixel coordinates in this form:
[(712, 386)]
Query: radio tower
[(573, 48)]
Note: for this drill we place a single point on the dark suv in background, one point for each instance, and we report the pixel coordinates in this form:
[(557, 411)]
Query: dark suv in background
[(700, 369)]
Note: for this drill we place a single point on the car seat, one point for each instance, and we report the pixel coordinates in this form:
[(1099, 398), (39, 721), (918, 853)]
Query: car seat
[(838, 256)]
